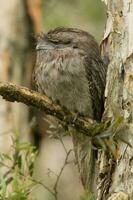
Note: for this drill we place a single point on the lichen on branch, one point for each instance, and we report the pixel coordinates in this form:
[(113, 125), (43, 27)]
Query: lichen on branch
[(12, 92)]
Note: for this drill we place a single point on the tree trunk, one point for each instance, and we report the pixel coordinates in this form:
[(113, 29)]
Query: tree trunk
[(116, 176), (15, 65)]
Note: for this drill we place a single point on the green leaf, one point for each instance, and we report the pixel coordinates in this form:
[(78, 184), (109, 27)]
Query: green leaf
[(87, 196)]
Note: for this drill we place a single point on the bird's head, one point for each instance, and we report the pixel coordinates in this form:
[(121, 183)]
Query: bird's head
[(61, 38)]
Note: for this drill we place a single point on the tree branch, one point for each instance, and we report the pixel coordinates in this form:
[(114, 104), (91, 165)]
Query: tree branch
[(12, 92)]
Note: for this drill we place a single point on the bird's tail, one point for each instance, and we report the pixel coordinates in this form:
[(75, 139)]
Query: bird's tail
[(85, 156)]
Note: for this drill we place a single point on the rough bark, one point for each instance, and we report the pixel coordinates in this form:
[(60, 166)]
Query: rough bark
[(115, 178)]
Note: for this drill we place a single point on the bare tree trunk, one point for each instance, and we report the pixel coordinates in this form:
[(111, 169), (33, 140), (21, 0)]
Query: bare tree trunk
[(34, 8), (15, 65), (116, 177)]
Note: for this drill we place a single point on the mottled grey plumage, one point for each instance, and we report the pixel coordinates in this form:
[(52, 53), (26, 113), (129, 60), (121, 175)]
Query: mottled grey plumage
[(69, 69)]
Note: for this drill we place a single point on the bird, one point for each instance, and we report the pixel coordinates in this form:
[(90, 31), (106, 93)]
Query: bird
[(69, 69)]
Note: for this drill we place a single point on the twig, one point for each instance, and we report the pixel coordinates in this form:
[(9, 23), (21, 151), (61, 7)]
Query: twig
[(45, 187), (58, 177), (61, 140)]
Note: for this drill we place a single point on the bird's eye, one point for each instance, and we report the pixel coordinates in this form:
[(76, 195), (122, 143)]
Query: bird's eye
[(61, 42), (66, 41), (55, 40), (75, 47)]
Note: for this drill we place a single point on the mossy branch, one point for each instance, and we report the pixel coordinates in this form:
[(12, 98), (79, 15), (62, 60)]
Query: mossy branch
[(12, 92)]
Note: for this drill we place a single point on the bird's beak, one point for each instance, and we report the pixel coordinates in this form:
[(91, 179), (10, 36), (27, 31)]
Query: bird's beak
[(44, 47)]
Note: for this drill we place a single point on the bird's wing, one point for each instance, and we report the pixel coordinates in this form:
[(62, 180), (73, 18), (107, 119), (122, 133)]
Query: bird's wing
[(96, 75)]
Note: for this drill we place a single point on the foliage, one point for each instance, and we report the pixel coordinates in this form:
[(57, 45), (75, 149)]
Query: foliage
[(87, 196), (16, 182)]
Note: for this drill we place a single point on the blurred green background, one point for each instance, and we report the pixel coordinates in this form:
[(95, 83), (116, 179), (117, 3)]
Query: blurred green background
[(89, 15)]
